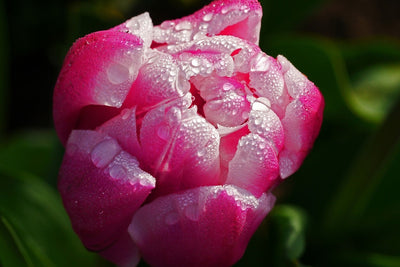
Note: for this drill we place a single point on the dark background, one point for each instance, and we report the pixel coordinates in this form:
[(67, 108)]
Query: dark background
[(340, 209)]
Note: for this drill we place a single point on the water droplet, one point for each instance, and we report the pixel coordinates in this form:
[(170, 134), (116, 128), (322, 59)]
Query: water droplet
[(192, 212), (262, 145), (214, 105), (125, 114), (224, 10), (184, 25), (203, 27), (182, 83), (104, 152), (201, 153), (118, 172), (259, 106), (260, 63), (117, 73), (198, 36), (163, 132), (133, 25), (171, 218), (227, 87), (195, 62), (174, 116), (257, 121), (208, 17)]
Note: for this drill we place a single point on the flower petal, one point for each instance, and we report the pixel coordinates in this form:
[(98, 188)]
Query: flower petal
[(141, 26), (302, 120), (255, 165), (180, 148), (123, 129), (205, 226), (123, 252), (159, 80), (98, 70), (240, 18), (101, 186)]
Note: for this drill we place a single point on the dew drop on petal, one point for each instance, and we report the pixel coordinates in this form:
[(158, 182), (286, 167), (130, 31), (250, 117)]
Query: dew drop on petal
[(214, 105), (104, 152), (224, 10), (192, 212), (118, 172), (195, 62), (257, 121), (200, 153), (125, 114), (208, 17), (227, 87), (171, 218), (174, 116), (117, 73), (184, 25), (245, 115), (163, 132)]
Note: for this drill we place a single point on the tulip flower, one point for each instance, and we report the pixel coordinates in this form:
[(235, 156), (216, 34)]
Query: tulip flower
[(176, 134)]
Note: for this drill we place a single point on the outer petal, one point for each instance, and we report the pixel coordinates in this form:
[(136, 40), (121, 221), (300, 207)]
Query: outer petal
[(123, 129), (302, 120), (123, 253), (179, 148), (255, 165), (140, 25), (205, 226), (159, 80), (98, 70), (240, 18), (101, 187)]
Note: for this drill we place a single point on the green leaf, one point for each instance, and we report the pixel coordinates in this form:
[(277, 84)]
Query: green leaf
[(34, 225), (375, 91), (354, 197), (357, 259), (12, 251), (35, 152), (288, 226)]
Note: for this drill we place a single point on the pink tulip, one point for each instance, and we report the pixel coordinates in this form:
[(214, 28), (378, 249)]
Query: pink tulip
[(176, 134)]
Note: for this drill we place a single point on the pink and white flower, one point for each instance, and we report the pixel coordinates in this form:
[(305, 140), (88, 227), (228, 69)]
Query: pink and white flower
[(176, 134)]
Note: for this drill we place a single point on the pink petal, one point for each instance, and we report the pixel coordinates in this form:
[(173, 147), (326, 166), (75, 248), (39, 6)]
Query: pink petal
[(205, 226), (302, 120), (101, 186), (225, 100), (159, 80), (123, 252), (227, 149), (240, 50), (255, 165), (264, 122), (239, 18), (98, 70), (123, 129), (180, 148), (267, 79), (141, 26)]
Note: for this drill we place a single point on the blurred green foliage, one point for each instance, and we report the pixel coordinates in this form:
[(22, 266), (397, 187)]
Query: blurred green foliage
[(341, 208)]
